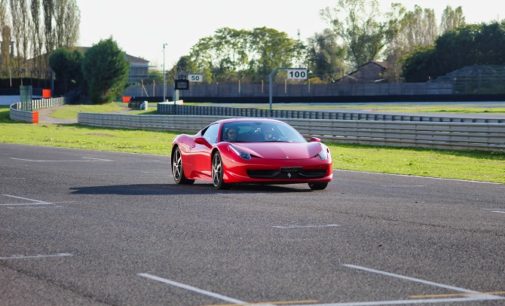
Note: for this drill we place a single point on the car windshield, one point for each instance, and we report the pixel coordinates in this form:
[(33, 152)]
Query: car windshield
[(259, 131)]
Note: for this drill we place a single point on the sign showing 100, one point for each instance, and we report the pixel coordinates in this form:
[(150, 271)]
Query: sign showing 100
[(297, 74)]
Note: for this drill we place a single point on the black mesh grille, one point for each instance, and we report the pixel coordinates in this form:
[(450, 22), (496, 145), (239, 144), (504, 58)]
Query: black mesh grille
[(287, 173)]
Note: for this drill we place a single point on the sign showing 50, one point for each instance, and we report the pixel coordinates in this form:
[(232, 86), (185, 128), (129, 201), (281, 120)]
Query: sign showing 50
[(297, 74), (195, 77)]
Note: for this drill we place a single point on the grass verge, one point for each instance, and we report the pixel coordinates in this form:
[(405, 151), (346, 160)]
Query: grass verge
[(479, 166)]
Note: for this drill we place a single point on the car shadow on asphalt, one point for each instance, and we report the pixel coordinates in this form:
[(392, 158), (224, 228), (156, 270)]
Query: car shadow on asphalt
[(171, 189)]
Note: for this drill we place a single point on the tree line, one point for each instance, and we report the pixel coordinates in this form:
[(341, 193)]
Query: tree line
[(357, 32), (32, 29)]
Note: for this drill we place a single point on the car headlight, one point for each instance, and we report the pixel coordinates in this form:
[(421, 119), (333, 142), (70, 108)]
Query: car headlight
[(323, 155), (239, 153)]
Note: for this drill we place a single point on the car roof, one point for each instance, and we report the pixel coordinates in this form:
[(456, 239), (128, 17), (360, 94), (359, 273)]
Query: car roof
[(247, 119)]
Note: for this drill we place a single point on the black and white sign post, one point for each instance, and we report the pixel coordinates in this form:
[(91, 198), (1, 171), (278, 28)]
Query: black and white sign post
[(292, 74)]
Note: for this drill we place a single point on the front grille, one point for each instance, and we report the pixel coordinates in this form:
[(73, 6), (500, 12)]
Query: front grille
[(287, 173)]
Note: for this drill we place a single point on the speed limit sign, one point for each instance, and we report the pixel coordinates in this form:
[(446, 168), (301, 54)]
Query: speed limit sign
[(195, 77), (297, 74)]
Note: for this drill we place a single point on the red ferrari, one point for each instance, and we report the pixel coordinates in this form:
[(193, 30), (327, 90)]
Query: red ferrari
[(250, 150)]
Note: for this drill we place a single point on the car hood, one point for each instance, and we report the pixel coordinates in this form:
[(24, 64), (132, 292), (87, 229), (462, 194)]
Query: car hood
[(281, 150)]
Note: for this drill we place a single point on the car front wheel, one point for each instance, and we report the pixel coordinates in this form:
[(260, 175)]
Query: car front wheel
[(178, 169), (217, 172)]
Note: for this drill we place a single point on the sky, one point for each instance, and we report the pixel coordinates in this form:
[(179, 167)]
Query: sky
[(142, 27)]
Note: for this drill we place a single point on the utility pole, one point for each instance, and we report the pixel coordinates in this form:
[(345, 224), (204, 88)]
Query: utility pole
[(164, 75)]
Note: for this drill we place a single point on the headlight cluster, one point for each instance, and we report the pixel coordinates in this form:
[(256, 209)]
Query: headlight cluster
[(239, 153), (324, 154)]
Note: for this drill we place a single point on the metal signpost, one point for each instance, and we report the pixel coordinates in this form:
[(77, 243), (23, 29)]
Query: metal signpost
[(292, 74), (164, 75)]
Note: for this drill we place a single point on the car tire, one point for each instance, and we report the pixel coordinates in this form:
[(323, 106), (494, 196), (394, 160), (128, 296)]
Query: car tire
[(318, 186), (178, 169), (217, 172)]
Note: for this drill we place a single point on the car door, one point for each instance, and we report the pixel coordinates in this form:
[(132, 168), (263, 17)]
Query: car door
[(201, 152)]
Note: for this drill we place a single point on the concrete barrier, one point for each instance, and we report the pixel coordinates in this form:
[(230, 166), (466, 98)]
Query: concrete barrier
[(441, 135), (26, 112)]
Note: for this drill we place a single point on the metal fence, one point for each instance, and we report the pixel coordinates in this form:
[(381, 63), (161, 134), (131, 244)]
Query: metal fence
[(170, 109), (238, 89), (443, 135), (27, 111)]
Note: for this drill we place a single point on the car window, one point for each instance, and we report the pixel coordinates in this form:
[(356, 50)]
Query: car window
[(259, 131), (211, 133)]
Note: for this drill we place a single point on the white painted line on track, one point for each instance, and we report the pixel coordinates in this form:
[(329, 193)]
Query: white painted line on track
[(26, 199), (34, 207), (84, 159), (412, 302), (304, 226), (36, 256), (412, 279), (498, 211), (194, 289), (418, 176), (25, 204)]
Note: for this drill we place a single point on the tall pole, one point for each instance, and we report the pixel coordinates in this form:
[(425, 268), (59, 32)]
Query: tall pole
[(164, 75)]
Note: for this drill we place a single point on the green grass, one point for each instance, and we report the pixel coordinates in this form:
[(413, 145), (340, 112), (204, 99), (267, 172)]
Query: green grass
[(479, 166), (70, 111)]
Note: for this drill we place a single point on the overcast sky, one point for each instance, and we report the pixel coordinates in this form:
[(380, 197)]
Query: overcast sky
[(141, 27)]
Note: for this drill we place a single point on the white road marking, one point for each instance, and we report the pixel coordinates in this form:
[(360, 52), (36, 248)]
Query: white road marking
[(34, 207), (495, 210), (418, 176), (412, 302), (26, 199), (304, 226), (84, 159), (194, 289), (413, 279), (35, 256)]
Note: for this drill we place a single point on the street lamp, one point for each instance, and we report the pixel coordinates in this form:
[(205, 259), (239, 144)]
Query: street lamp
[(164, 76)]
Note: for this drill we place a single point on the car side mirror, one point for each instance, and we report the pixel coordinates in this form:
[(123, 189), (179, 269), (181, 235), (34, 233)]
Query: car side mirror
[(202, 141), (315, 139)]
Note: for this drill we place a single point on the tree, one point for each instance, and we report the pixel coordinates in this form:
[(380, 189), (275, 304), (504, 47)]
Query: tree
[(66, 23), (325, 56), (105, 70), (5, 33), (469, 45), (411, 30), (37, 37), (48, 6), (66, 64), (232, 54), (452, 19), (360, 27)]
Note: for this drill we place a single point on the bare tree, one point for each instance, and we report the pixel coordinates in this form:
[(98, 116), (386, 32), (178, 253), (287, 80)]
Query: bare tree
[(412, 30), (360, 26), (25, 35), (451, 19), (37, 37), (48, 6), (16, 33), (5, 32), (67, 19)]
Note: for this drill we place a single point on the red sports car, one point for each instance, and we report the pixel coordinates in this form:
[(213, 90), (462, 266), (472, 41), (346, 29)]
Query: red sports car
[(250, 150)]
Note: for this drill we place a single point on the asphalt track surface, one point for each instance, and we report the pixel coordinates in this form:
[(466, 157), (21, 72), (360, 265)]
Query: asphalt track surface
[(92, 228)]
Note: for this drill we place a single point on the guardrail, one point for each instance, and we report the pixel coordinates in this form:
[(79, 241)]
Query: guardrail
[(26, 112), (441, 135), (166, 108)]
